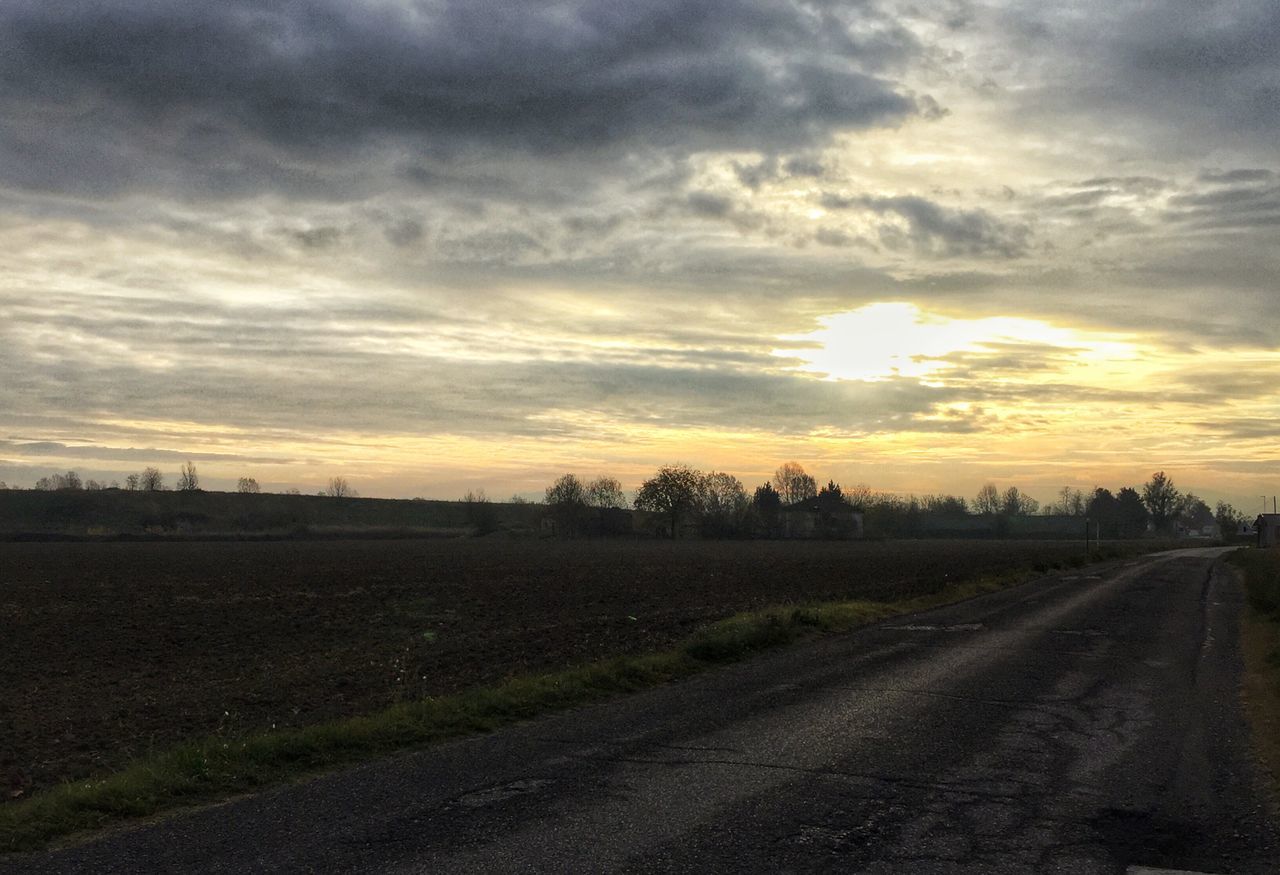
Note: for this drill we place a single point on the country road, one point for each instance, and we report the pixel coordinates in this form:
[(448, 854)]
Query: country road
[(1085, 723)]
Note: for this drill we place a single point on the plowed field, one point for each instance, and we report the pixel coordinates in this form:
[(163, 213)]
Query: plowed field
[(108, 650)]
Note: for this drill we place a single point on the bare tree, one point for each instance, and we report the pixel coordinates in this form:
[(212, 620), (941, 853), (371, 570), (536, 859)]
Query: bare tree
[(793, 484), (1015, 502), (605, 492), (724, 504), (132, 482), (151, 480), (248, 486), (480, 512), (188, 479), (566, 500), (339, 488), (987, 501), (54, 482)]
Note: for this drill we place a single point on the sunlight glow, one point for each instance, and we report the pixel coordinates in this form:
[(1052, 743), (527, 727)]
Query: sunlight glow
[(897, 339)]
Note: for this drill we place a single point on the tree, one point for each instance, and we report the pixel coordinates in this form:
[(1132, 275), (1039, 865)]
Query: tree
[(1015, 502), (247, 486), (132, 482), (1226, 516), (1104, 511), (151, 480), (339, 488), (987, 501), (566, 500), (1162, 499), (944, 505), (605, 493), (860, 496), (793, 484), (480, 512), (1071, 502), (1131, 513), (56, 482), (768, 509), (724, 505), (567, 491), (1194, 513), (188, 479), (675, 492)]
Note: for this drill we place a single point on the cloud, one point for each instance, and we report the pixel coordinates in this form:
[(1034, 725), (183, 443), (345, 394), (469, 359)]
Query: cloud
[(1175, 78), (126, 454), (930, 228), (234, 96)]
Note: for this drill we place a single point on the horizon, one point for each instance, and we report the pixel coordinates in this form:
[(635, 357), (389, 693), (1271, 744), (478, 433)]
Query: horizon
[(433, 248), (1045, 506)]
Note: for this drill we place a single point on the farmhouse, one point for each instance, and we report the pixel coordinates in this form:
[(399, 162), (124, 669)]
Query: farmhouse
[(821, 517), (1268, 525)]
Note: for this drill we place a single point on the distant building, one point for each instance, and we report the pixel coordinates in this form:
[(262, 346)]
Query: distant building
[(821, 517), (1268, 525)]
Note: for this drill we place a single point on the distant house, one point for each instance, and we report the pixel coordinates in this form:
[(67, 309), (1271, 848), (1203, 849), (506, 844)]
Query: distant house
[(821, 517), (1268, 526)]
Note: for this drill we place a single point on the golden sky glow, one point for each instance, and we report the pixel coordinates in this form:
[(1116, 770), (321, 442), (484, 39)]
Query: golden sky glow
[(916, 247)]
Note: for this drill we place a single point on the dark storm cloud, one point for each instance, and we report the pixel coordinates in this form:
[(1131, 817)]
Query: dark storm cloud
[(117, 95), (1180, 74), (933, 228)]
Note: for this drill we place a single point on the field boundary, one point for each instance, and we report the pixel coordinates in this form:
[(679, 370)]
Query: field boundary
[(216, 768)]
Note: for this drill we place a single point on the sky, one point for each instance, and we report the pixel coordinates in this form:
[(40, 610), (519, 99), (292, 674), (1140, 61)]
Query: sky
[(440, 245)]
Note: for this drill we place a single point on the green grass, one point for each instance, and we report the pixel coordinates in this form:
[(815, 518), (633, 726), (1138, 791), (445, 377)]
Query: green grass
[(1260, 643), (216, 767)]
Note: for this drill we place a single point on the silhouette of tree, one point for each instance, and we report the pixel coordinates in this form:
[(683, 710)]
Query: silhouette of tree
[(151, 480), (58, 482), (943, 505), (247, 486), (675, 492), (767, 505), (724, 505), (339, 488), (605, 493), (480, 513), (1227, 518), (188, 479), (566, 500), (793, 484), (1162, 500), (1131, 513), (987, 500), (1014, 502)]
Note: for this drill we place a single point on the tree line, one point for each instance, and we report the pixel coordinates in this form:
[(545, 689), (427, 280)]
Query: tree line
[(151, 479), (714, 503), (717, 504)]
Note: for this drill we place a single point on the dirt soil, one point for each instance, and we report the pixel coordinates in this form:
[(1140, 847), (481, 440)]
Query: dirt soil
[(110, 650)]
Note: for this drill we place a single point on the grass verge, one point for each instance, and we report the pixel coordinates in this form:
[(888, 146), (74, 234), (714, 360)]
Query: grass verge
[(1260, 643), (216, 767)]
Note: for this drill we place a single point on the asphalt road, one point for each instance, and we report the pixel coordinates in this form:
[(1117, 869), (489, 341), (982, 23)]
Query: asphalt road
[(1084, 723)]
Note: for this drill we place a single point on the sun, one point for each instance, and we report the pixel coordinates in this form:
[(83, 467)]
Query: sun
[(885, 340)]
